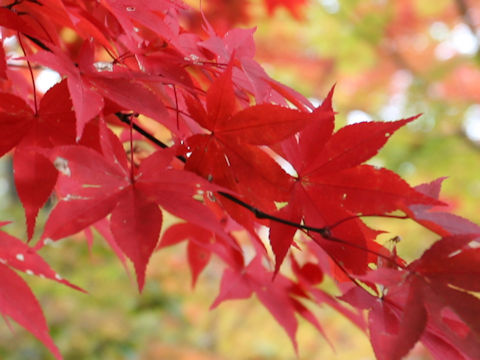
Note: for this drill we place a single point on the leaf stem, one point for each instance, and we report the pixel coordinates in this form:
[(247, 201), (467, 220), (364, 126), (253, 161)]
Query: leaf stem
[(31, 73), (177, 116), (178, 111), (132, 164)]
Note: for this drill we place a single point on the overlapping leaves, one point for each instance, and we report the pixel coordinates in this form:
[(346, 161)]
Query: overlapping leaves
[(232, 134), (93, 185)]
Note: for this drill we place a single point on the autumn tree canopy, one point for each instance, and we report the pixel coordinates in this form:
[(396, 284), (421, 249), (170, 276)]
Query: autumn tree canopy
[(162, 110)]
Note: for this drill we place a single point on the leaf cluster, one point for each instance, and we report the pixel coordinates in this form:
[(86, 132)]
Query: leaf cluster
[(230, 152)]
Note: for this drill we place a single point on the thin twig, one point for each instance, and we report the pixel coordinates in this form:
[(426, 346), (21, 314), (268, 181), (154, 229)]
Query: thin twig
[(31, 73), (259, 214), (126, 118), (132, 163), (177, 117)]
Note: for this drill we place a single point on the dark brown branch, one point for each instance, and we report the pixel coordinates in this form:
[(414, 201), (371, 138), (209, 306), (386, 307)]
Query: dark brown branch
[(32, 78), (323, 231), (31, 38), (126, 118), (12, 5), (37, 42)]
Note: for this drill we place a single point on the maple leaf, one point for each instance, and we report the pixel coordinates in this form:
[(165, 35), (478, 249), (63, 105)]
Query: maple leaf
[(198, 254), (159, 64), (201, 244), (339, 157), (309, 275), (449, 286), (229, 155), (302, 203), (440, 222), (239, 44), (11, 20), (103, 228), (414, 305), (397, 318), (147, 13), (17, 254), (451, 260), (331, 184), (136, 224), (412, 324), (460, 330), (282, 296), (16, 298), (41, 23), (254, 279), (93, 185), (86, 25), (16, 119), (86, 101), (280, 235), (18, 302), (118, 87), (337, 171), (91, 87), (54, 124)]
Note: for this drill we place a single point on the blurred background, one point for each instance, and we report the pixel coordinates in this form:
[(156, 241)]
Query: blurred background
[(389, 59)]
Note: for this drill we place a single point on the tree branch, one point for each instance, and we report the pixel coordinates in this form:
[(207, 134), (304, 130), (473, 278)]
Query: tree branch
[(259, 214), (325, 232), (127, 119)]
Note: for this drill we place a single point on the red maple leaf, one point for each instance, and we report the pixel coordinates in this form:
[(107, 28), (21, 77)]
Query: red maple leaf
[(201, 245), (17, 300), (438, 221), (425, 302), (90, 87), (86, 101), (331, 185), (259, 165), (54, 124), (93, 185), (254, 279), (230, 154)]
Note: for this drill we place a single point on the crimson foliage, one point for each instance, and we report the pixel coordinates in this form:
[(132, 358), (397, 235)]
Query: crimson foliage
[(232, 132)]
